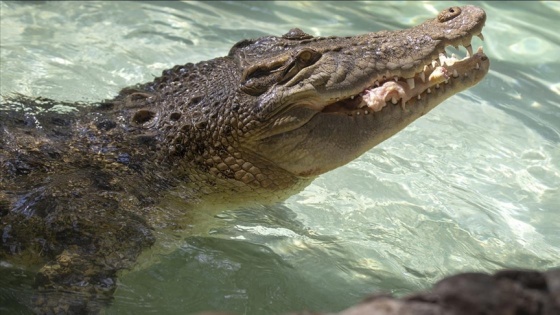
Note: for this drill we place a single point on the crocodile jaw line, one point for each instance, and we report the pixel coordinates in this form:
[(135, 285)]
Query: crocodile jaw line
[(388, 89)]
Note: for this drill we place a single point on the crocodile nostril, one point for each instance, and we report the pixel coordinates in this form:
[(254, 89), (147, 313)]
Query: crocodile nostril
[(448, 14)]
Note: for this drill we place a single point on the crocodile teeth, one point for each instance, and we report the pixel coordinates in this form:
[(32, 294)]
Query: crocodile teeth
[(410, 83), (442, 58), (479, 50), (469, 50), (480, 36), (392, 88)]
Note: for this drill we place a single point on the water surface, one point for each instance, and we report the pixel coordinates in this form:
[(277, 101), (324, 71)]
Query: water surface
[(473, 186)]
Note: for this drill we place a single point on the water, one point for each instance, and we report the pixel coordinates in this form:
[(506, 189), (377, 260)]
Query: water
[(474, 185)]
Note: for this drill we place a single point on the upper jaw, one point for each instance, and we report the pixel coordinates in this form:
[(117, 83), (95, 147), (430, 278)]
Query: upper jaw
[(398, 81)]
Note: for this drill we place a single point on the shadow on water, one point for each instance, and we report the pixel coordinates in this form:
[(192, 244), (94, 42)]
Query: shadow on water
[(16, 289), (221, 270)]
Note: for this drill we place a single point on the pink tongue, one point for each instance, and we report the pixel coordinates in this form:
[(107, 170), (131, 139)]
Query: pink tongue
[(376, 98)]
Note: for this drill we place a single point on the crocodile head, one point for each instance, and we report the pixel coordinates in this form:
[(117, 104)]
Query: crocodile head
[(305, 105), (323, 101)]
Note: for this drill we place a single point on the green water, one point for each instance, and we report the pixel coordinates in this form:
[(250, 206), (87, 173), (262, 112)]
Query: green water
[(474, 185)]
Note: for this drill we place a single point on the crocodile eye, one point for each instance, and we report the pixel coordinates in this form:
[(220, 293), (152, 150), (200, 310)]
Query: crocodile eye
[(308, 56), (258, 78), (448, 14), (305, 56)]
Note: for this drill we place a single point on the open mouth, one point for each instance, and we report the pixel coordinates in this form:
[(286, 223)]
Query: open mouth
[(441, 73)]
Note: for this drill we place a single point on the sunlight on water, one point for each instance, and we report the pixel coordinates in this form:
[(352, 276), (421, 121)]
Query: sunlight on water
[(475, 185)]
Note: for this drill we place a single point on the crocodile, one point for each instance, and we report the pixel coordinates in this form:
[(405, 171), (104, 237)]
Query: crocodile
[(83, 194)]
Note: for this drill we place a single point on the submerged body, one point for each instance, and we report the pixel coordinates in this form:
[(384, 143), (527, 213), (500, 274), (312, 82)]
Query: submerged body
[(80, 193)]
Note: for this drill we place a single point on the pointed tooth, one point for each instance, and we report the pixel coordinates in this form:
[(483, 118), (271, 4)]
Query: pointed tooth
[(477, 66), (357, 113), (479, 50), (455, 74), (426, 68), (403, 104), (419, 97), (410, 83), (434, 63), (428, 90), (422, 76), (469, 50), (366, 112), (437, 86), (352, 97), (396, 78), (446, 81), (481, 36), (376, 83), (442, 59), (394, 100)]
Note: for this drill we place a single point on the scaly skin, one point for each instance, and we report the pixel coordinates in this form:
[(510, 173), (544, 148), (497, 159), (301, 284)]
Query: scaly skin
[(81, 193)]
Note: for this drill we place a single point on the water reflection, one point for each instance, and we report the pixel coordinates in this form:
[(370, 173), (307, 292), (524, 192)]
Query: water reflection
[(473, 185)]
